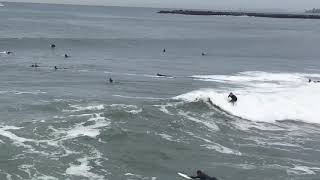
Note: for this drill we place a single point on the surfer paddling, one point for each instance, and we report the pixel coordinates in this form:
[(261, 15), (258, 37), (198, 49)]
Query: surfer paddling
[(202, 176), (313, 81), (161, 75), (35, 65)]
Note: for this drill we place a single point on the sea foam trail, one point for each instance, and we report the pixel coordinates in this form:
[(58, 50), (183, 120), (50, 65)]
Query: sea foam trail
[(83, 169), (264, 96)]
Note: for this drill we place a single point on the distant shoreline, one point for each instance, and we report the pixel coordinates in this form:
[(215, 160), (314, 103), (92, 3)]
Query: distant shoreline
[(235, 13)]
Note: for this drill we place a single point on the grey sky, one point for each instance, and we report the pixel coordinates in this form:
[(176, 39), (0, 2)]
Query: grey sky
[(197, 4)]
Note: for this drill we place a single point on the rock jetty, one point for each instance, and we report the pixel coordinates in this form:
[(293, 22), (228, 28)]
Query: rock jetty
[(234, 13)]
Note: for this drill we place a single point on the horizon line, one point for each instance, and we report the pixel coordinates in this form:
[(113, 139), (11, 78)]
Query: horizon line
[(152, 7)]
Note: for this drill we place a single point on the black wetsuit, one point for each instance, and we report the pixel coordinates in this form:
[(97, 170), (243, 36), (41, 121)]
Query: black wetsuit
[(233, 98), (161, 75), (203, 176)]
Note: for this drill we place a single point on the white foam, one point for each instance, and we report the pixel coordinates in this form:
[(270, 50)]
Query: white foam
[(167, 137), (46, 177), (245, 125), (302, 170), (25, 142), (245, 166), (258, 77), (211, 125), (28, 92), (215, 146), (124, 105), (81, 115), (26, 168), (135, 111), (163, 108), (83, 170), (221, 149), (82, 130), (19, 141), (136, 97), (135, 175), (275, 142), (77, 108), (9, 177), (132, 109), (139, 176), (264, 96)]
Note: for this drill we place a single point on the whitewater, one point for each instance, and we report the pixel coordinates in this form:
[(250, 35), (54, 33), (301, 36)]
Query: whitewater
[(263, 96)]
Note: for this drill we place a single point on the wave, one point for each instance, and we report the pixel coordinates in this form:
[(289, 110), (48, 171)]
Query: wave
[(260, 79), (263, 96), (76, 108), (137, 97)]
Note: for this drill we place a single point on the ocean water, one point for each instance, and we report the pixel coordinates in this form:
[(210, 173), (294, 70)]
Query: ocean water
[(72, 124)]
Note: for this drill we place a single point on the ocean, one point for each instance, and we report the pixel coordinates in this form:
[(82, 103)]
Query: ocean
[(71, 123)]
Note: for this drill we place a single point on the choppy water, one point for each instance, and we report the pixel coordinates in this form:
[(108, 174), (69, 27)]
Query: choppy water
[(72, 124)]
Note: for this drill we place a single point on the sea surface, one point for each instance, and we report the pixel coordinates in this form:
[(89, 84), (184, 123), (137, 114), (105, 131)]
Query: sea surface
[(72, 124)]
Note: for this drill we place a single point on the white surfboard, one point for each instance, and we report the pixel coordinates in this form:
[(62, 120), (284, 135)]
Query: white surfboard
[(183, 175)]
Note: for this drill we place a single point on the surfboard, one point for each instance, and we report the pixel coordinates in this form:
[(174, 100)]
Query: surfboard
[(183, 175)]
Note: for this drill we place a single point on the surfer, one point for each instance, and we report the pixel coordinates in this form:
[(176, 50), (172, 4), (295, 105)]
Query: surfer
[(313, 81), (53, 45), (233, 98), (35, 65), (162, 75), (202, 176), (164, 50), (55, 68), (203, 54), (8, 52), (66, 55), (110, 80)]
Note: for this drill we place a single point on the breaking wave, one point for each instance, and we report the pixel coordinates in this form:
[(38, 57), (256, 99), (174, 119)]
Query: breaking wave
[(263, 96)]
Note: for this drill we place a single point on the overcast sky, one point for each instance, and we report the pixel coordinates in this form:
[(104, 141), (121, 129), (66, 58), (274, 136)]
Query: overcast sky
[(197, 4)]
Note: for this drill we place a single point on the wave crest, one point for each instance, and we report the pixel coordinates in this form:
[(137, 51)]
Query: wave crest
[(263, 96)]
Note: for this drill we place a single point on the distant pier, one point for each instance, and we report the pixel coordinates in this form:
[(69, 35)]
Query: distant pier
[(249, 14)]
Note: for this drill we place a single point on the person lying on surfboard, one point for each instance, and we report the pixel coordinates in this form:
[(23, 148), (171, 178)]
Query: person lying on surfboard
[(202, 176)]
